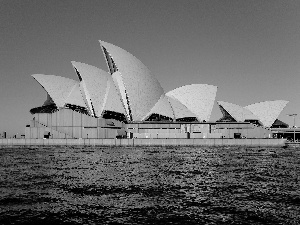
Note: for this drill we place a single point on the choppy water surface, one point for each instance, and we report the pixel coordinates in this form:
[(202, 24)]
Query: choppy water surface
[(181, 185)]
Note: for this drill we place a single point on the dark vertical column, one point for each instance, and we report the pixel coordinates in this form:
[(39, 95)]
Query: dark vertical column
[(72, 127)]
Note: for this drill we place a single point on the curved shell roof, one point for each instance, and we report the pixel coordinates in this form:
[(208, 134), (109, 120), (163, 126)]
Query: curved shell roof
[(237, 112), (142, 88), (118, 81), (113, 98), (162, 107), (75, 97), (267, 111), (57, 87), (198, 98), (179, 109), (129, 88), (95, 83)]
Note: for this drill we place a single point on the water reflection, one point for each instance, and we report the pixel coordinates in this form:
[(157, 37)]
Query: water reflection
[(149, 185)]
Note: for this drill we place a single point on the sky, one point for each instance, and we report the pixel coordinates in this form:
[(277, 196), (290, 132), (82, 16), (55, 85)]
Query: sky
[(249, 49)]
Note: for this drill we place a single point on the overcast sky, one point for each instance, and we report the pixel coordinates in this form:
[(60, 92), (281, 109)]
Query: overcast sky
[(249, 49)]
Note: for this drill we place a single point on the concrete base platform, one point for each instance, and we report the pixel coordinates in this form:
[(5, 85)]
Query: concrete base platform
[(144, 142)]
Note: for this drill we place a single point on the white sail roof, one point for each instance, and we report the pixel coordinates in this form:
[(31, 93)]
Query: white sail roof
[(198, 98), (94, 84), (162, 107), (267, 111), (57, 87), (113, 100), (119, 84), (239, 113), (75, 97), (142, 88), (180, 110)]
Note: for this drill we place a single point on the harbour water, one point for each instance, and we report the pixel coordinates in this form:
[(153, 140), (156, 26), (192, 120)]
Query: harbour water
[(151, 185)]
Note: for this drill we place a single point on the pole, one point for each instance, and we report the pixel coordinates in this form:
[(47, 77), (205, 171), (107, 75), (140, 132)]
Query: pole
[(294, 115), (295, 128)]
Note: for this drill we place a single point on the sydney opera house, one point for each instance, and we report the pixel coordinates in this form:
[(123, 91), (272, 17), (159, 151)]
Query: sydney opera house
[(128, 101)]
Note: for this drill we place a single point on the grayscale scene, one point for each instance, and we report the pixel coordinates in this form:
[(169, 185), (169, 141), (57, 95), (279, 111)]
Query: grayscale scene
[(149, 112)]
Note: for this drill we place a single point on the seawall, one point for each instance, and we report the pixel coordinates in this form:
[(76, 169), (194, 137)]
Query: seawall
[(144, 142), (293, 144)]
